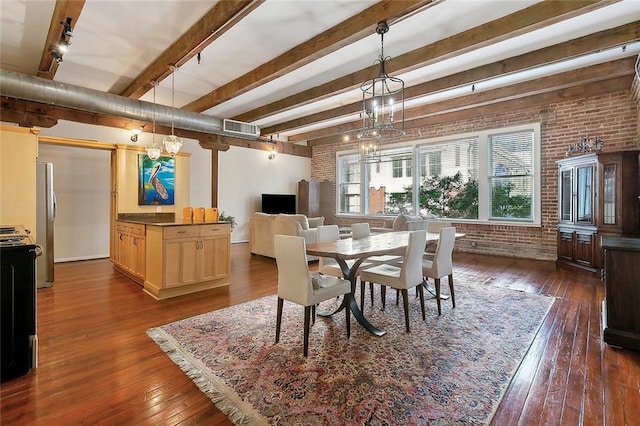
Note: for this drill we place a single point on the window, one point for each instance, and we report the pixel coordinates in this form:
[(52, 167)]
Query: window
[(397, 168), (349, 183), (510, 177), (432, 163), (487, 176), (448, 186)]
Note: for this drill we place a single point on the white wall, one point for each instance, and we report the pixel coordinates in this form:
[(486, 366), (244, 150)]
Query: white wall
[(244, 174), (81, 183)]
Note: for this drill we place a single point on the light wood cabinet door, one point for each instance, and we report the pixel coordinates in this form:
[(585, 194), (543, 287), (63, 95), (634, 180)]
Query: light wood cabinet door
[(138, 255), (181, 262), (214, 257)]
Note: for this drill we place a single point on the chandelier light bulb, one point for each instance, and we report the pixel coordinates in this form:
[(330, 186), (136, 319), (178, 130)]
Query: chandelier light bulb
[(172, 144), (153, 152)]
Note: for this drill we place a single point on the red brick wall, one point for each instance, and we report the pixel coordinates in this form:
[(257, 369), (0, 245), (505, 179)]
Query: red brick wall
[(614, 117)]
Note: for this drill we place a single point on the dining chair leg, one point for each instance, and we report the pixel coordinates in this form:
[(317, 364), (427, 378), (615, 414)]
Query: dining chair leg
[(383, 296), (405, 302), (347, 309), (453, 295), (363, 285), (420, 291), (313, 314), (397, 297), (437, 280), (307, 315), (279, 319), (371, 291)]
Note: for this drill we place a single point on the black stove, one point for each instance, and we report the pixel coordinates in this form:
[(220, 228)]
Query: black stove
[(18, 340), (15, 236)]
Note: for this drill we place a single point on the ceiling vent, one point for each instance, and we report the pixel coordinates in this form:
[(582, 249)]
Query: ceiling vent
[(240, 128)]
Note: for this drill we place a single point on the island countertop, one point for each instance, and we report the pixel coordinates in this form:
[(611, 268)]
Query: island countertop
[(176, 222), (162, 219)]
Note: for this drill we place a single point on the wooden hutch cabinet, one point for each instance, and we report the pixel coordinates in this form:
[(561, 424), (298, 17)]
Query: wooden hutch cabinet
[(597, 195)]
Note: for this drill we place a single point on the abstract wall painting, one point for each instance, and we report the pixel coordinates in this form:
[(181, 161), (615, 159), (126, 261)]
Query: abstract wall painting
[(156, 181)]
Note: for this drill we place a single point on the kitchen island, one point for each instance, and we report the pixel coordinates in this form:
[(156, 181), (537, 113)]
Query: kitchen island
[(171, 257)]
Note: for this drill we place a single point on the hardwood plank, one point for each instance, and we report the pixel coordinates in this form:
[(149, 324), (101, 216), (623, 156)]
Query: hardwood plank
[(98, 366)]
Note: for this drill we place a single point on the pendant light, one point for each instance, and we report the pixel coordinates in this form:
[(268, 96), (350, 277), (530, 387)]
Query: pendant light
[(382, 107), (172, 143), (153, 151)]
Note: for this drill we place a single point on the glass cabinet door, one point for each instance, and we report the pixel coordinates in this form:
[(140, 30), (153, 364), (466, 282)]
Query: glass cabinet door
[(584, 194), (609, 195), (566, 193)]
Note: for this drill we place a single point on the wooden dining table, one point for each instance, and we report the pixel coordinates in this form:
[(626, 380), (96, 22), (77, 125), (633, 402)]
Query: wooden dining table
[(359, 249)]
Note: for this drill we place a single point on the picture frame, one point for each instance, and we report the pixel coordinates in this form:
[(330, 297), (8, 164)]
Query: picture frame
[(156, 181)]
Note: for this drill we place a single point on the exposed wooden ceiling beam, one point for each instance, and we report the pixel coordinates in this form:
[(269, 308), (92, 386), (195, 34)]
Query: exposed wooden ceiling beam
[(526, 90), (598, 88), (343, 34), (536, 101), (64, 9), (591, 43), (529, 19), (34, 114), (223, 16)]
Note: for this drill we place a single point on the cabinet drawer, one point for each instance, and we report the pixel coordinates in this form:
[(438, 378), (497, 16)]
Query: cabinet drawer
[(209, 230), (122, 227), (172, 232), (137, 229), (130, 228)]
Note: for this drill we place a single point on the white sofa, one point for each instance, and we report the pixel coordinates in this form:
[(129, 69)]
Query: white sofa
[(403, 222), (262, 228)]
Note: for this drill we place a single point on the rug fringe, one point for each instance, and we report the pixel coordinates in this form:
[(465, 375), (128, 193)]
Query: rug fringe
[(224, 397)]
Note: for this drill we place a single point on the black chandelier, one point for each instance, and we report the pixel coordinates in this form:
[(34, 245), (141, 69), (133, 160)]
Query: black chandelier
[(382, 107)]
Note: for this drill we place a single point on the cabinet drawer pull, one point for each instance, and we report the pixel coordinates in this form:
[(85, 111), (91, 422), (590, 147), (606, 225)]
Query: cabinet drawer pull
[(181, 232)]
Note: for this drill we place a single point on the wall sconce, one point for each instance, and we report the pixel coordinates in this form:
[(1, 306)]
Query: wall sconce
[(272, 151), (134, 134)]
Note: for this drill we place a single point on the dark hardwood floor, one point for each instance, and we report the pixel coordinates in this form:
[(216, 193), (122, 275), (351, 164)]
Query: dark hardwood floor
[(97, 365)]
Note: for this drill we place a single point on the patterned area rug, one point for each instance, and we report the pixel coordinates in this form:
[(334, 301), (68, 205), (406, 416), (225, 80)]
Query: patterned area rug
[(452, 369)]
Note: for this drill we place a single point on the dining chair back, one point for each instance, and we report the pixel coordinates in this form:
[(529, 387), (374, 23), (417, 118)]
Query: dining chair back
[(434, 226), (442, 263), (329, 265), (403, 277), (363, 230), (360, 230), (326, 234), (298, 285)]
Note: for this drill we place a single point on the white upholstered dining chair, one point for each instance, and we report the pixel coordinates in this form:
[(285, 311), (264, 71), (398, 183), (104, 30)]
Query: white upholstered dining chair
[(442, 264), (297, 284), (403, 277), (363, 230), (328, 265), (434, 226)]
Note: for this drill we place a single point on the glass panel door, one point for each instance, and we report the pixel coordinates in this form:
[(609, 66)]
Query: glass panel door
[(566, 192), (609, 194), (584, 193)]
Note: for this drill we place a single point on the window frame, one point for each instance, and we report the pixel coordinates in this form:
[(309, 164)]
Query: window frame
[(484, 215)]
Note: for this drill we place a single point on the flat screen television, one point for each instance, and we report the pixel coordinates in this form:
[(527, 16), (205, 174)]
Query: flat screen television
[(279, 203)]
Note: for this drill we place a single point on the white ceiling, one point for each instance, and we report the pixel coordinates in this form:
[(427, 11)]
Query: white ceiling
[(114, 41)]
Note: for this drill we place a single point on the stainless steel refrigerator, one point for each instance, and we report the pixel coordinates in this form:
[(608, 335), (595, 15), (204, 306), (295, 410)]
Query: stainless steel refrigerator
[(45, 216)]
